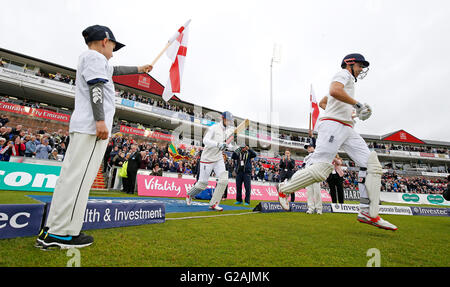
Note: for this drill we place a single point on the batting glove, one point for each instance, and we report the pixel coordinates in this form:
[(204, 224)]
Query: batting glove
[(365, 113), (222, 146)]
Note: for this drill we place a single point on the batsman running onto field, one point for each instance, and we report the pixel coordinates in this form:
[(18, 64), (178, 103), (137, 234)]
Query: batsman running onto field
[(336, 131), (90, 128), (212, 159)]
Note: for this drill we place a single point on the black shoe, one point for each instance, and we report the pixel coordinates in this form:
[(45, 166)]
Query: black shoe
[(65, 242), (41, 237)]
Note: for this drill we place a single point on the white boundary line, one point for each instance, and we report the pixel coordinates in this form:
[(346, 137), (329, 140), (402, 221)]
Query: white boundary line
[(206, 216)]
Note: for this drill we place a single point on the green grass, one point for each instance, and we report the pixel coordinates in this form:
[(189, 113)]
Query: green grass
[(255, 240)]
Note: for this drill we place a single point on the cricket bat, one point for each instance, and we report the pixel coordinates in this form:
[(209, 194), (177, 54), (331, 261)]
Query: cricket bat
[(241, 127)]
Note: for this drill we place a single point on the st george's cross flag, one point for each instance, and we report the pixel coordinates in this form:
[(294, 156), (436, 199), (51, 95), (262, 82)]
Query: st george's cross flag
[(177, 54), (314, 108)]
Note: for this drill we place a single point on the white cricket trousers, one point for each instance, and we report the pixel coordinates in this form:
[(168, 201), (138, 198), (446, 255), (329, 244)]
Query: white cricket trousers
[(334, 135), (314, 197), (206, 168), (80, 167)]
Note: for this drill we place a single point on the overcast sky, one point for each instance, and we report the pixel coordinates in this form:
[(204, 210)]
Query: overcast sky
[(231, 44)]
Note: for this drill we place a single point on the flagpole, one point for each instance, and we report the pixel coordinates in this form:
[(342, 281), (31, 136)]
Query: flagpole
[(310, 113), (161, 53), (310, 120)]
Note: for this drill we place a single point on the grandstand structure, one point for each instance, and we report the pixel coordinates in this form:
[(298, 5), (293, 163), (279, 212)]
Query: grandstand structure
[(36, 93)]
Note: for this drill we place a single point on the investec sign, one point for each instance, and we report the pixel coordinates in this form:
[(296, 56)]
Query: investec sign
[(384, 209), (18, 220), (29, 177)]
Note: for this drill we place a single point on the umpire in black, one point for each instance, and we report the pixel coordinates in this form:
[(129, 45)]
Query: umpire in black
[(133, 165), (243, 166), (287, 166)]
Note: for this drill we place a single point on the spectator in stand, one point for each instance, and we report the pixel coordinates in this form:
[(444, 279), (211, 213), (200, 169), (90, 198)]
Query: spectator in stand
[(145, 159), (107, 156), (157, 171), (165, 164), (19, 146), (3, 132), (6, 149), (62, 149), (3, 120), (172, 167), (43, 150), (16, 131), (8, 134), (43, 131), (30, 146), (53, 155)]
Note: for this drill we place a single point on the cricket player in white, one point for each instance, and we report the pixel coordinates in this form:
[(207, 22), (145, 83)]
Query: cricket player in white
[(313, 194), (90, 127), (212, 160), (336, 131)]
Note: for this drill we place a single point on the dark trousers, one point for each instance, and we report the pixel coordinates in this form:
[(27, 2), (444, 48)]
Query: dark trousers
[(244, 178), (131, 182), (335, 182), (287, 176), (225, 193), (124, 184)]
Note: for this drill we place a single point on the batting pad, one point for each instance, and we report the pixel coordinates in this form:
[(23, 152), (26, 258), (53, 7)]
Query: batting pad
[(373, 183), (314, 173)]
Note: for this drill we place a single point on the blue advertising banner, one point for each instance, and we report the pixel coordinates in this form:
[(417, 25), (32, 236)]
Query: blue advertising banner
[(430, 211), (303, 207), (266, 207), (101, 215), (19, 220), (128, 103)]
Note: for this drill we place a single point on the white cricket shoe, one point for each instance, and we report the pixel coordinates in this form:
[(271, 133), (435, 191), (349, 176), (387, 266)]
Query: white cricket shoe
[(310, 211), (283, 198), (318, 211), (188, 199), (216, 207), (363, 217)]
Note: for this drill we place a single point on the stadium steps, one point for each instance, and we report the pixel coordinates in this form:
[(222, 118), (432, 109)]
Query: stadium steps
[(99, 182)]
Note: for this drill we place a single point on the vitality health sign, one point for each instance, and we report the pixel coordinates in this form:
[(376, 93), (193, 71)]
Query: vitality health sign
[(149, 185), (29, 177)]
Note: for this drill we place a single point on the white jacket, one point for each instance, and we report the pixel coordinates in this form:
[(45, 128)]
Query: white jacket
[(214, 137)]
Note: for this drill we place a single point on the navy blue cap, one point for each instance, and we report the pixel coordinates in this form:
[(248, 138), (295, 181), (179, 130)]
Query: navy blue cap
[(98, 32), (227, 115), (354, 58)]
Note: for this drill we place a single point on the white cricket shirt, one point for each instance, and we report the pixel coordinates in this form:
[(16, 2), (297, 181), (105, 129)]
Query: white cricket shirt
[(215, 134), (92, 65), (336, 109)]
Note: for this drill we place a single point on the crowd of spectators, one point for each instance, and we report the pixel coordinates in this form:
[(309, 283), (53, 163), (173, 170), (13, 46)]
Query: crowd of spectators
[(37, 72), (57, 77), (162, 104), (154, 156), (44, 144), (392, 182), (405, 147), (40, 144)]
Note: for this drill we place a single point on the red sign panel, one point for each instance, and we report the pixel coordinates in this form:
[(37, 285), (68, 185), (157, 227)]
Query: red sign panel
[(402, 136), (146, 133), (141, 82), (32, 112)]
